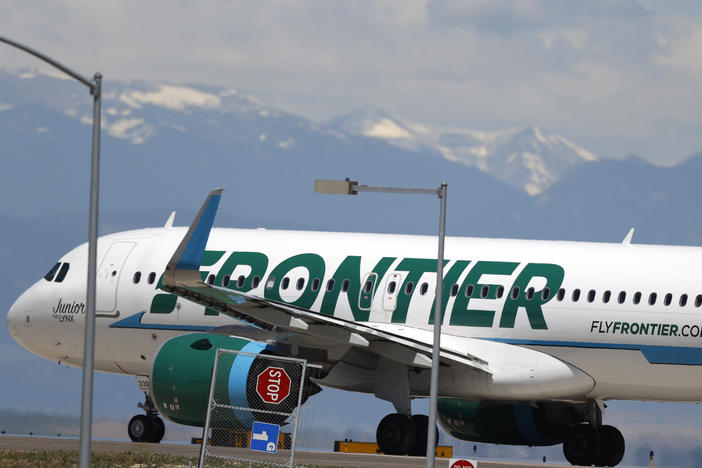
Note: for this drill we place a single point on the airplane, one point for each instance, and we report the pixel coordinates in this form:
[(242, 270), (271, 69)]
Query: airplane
[(536, 335)]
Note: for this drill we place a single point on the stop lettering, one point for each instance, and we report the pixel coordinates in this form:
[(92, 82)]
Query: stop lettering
[(273, 385), (461, 464)]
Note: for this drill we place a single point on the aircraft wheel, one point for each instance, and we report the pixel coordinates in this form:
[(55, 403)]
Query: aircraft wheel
[(158, 429), (421, 426), (583, 445), (139, 428), (395, 434), (612, 446)]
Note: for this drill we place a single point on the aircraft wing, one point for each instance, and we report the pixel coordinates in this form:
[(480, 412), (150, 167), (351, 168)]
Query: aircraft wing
[(182, 277)]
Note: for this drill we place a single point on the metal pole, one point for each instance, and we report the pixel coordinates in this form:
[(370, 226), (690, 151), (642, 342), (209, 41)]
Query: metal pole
[(297, 419), (95, 87), (210, 406), (438, 319), (51, 62), (86, 410)]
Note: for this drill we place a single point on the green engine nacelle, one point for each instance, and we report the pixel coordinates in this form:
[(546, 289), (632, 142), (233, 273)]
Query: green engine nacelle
[(509, 423), (181, 373)]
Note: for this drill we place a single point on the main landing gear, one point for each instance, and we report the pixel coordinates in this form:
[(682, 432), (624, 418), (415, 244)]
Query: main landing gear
[(147, 427), (401, 434), (587, 445), (592, 443)]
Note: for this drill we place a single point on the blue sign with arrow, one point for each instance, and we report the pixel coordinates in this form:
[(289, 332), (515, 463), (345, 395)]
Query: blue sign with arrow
[(264, 437)]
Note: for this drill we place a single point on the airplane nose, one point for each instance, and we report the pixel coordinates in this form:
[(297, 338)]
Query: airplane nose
[(18, 319), (24, 319), (13, 317)]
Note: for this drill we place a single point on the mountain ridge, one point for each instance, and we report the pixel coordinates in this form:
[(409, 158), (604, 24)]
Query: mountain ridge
[(528, 158)]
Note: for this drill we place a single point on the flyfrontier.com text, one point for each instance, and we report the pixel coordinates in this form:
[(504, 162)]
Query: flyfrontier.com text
[(645, 328)]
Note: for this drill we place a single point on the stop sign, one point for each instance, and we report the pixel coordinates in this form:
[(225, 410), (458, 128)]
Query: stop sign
[(273, 385)]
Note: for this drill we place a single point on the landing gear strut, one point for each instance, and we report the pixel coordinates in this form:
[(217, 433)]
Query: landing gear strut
[(401, 434), (146, 427)]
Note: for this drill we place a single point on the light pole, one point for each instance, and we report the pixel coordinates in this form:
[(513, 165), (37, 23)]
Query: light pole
[(86, 410), (349, 187)]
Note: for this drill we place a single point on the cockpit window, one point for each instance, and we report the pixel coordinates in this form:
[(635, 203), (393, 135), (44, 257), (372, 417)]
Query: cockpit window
[(62, 272), (50, 275)]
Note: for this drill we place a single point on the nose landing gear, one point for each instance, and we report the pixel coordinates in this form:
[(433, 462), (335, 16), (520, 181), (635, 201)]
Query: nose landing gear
[(147, 427)]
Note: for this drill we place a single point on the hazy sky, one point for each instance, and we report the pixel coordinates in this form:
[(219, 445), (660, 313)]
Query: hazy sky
[(616, 77)]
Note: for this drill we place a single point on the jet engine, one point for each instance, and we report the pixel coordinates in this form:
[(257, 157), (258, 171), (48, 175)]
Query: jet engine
[(182, 370), (509, 423)]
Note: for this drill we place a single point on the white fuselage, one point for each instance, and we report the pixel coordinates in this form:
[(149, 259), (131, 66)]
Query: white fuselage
[(650, 350)]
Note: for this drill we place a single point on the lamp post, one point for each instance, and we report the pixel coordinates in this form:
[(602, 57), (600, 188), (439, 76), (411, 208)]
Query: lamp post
[(349, 187), (86, 411)]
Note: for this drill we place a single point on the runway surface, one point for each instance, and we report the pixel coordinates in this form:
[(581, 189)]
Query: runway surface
[(48, 444)]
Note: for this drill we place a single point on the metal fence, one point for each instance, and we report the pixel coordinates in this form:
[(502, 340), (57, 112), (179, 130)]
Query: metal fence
[(253, 410)]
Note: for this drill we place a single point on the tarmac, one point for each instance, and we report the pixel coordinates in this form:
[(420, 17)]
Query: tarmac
[(49, 444)]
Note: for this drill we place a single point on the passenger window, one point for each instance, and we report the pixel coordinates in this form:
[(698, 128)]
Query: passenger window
[(50, 275), (622, 297), (137, 277), (391, 287), (683, 300), (408, 287), (469, 291), (240, 281), (271, 282), (256, 280), (330, 285), (345, 285), (591, 296), (652, 298), (300, 283), (226, 280), (515, 292), (576, 295), (561, 294), (454, 290), (530, 294), (637, 297), (500, 291), (152, 278), (698, 300), (606, 296), (484, 291), (424, 288), (668, 299), (545, 294), (315, 284), (285, 283)]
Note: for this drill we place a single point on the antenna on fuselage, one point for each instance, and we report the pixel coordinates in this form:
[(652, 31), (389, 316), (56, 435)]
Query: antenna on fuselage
[(169, 221)]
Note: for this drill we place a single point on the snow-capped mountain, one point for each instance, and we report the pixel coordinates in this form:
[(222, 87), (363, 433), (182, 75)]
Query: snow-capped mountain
[(138, 111), (165, 144), (530, 159), (173, 140)]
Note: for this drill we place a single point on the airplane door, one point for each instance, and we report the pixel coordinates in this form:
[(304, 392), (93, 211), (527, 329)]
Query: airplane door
[(392, 289), (108, 274), (365, 298)]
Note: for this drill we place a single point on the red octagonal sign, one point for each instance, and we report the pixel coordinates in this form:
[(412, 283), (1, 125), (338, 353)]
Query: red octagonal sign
[(461, 463), (273, 385)]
